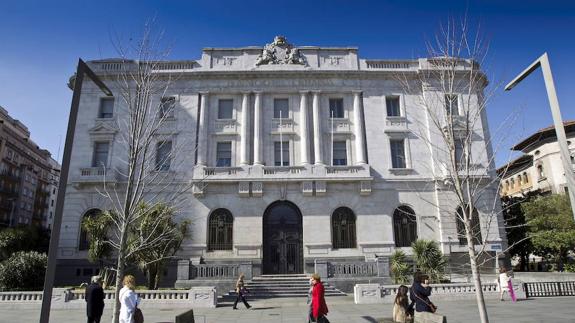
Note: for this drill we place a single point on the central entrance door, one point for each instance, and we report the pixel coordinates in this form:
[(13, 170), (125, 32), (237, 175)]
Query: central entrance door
[(283, 239)]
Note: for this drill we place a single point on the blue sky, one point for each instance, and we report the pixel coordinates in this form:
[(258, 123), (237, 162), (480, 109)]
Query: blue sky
[(40, 42)]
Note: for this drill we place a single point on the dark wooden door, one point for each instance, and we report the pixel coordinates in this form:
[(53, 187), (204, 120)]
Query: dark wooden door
[(283, 246)]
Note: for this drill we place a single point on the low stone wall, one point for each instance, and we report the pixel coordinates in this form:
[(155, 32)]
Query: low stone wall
[(375, 293), (72, 299)]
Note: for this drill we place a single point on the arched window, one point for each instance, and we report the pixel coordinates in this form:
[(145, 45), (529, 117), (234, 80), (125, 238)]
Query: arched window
[(404, 226), (525, 179), (540, 172), (343, 228), (220, 230), (475, 227), (84, 241)]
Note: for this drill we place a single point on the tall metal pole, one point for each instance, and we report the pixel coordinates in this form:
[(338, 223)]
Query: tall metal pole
[(559, 129), (82, 70), (543, 62)]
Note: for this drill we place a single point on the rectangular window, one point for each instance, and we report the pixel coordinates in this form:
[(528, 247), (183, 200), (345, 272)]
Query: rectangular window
[(459, 154), (451, 104), (100, 158), (339, 153), (392, 104), (336, 108), (281, 108), (167, 106), (225, 109), (106, 108), (224, 154), (398, 153), (163, 155), (281, 153)]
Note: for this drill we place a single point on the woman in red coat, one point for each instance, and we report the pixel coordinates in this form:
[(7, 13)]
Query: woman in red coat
[(318, 306)]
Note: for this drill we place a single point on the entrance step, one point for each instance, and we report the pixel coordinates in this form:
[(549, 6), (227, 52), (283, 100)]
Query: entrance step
[(272, 286)]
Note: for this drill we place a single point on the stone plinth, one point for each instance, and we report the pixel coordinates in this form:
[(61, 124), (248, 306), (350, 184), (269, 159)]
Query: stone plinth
[(203, 297), (368, 294)]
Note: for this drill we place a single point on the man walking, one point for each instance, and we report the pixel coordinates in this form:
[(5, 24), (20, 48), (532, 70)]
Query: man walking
[(94, 300)]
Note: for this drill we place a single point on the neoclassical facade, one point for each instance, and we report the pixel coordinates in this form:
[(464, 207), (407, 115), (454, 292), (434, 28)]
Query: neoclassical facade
[(295, 155)]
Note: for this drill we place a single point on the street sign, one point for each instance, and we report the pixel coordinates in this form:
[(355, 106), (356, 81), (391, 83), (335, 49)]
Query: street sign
[(496, 247)]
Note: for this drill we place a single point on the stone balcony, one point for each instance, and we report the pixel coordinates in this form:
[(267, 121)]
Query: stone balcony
[(95, 175), (313, 178)]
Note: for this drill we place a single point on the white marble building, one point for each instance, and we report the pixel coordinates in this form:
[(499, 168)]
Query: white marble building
[(303, 154)]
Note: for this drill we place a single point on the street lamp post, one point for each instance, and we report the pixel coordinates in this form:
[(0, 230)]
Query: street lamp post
[(81, 71), (543, 62)]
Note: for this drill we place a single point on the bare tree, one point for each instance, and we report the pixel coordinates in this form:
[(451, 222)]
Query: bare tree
[(152, 153), (453, 92)]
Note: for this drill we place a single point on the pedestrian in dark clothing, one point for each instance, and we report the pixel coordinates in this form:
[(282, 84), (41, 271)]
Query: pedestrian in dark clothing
[(241, 291), (419, 293), (94, 300)]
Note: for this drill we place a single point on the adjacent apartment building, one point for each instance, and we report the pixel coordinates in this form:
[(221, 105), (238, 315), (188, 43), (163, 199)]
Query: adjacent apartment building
[(298, 157), (28, 176), (540, 168)]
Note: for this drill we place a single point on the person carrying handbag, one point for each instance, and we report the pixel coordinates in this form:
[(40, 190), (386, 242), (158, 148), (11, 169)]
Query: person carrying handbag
[(241, 291), (420, 292), (129, 311)]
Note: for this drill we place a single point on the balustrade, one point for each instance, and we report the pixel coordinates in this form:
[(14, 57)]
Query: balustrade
[(353, 269)]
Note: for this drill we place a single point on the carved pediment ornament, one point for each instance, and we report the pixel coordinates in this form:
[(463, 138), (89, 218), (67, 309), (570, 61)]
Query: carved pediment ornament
[(280, 52)]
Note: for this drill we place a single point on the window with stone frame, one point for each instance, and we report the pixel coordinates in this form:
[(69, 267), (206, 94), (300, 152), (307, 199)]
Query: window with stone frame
[(540, 172), (281, 153), (167, 107), (100, 154), (225, 109), (525, 178), (224, 154), (106, 110), (404, 226), (84, 238), (475, 227), (339, 153), (392, 104), (459, 154), (220, 230), (336, 108), (281, 108), (398, 159), (343, 228), (163, 156), (451, 104)]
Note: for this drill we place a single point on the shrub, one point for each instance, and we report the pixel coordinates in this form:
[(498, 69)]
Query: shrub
[(400, 269), (429, 259), (24, 270)]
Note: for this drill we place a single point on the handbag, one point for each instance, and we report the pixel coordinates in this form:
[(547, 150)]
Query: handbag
[(138, 315), (432, 307)]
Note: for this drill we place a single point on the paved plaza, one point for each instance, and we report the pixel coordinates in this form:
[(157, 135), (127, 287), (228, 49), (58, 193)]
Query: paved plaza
[(342, 310)]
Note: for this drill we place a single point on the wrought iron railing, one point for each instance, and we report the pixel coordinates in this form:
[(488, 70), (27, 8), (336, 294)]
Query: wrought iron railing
[(547, 289)]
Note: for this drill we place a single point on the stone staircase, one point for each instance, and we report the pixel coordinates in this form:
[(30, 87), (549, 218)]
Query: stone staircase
[(272, 286)]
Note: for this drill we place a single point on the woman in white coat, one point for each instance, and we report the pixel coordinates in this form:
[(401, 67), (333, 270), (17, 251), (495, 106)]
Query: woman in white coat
[(128, 300)]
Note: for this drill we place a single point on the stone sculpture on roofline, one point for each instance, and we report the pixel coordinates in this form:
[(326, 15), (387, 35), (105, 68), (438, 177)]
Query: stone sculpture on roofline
[(280, 52)]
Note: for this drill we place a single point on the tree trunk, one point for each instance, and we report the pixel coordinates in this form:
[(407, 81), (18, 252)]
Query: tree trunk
[(475, 272), (120, 275), (157, 282)]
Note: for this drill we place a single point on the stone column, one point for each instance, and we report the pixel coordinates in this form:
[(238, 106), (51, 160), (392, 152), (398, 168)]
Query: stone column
[(244, 159), (317, 134), (258, 129), (358, 128), (304, 140), (203, 131)]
